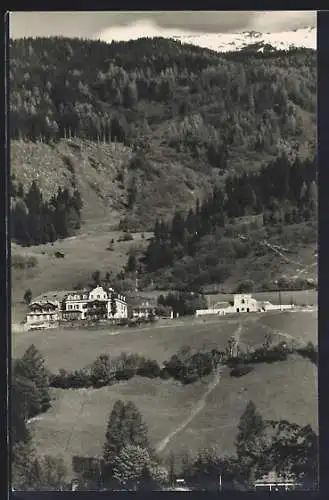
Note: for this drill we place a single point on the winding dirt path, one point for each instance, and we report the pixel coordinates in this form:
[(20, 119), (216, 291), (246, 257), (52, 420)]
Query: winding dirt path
[(199, 406), (194, 412)]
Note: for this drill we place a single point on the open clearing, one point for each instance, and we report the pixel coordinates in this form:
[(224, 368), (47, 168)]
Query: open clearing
[(75, 348), (179, 418)]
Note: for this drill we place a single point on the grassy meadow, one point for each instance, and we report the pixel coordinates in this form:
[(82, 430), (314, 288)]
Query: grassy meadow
[(188, 417), (74, 348), (76, 424)]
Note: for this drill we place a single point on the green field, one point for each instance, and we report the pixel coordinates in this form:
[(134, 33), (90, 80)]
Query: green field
[(179, 417), (76, 424), (74, 348)]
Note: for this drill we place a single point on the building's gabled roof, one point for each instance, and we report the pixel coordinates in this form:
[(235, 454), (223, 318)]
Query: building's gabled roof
[(41, 304), (56, 295)]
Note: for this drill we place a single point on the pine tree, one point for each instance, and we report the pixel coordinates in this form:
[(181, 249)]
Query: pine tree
[(32, 367), (131, 264), (125, 427), (313, 197), (113, 305), (28, 296), (248, 450), (114, 437), (96, 277), (134, 427), (177, 229), (24, 400), (130, 466)]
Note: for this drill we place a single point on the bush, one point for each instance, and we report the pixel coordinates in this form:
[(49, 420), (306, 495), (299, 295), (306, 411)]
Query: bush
[(77, 379), (149, 368), (21, 262), (261, 354), (246, 286), (190, 378), (310, 352), (126, 237), (241, 370), (164, 374), (102, 371)]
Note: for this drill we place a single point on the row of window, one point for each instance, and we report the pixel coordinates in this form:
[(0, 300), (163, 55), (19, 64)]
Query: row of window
[(42, 317), (120, 306)]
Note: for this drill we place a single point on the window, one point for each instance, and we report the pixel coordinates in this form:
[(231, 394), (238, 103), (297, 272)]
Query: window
[(242, 301), (247, 309), (69, 306), (98, 296)]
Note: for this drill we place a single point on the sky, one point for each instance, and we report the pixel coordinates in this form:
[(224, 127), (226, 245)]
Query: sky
[(127, 25)]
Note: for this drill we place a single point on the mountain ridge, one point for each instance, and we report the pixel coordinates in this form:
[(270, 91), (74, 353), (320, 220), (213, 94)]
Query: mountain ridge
[(230, 42)]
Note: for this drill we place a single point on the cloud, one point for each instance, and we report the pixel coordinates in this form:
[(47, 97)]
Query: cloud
[(89, 24), (282, 20)]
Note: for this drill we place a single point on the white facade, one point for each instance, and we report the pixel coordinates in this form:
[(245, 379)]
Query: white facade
[(244, 303), (79, 301), (121, 308), (41, 312)]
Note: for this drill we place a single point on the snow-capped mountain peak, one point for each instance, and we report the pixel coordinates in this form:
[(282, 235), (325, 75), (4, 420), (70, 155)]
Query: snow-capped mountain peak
[(229, 42)]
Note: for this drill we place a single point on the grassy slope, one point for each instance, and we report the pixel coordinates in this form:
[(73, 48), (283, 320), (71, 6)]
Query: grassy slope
[(83, 254), (161, 341), (76, 424)]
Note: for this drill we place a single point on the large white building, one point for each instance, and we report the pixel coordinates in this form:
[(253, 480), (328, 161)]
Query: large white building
[(84, 301), (242, 303), (98, 302)]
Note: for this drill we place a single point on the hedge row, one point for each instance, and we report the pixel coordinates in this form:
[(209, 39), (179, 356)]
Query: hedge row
[(182, 366)]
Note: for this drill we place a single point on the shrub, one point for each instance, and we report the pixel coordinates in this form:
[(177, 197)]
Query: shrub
[(126, 237), (241, 370), (149, 368), (102, 371), (310, 352), (190, 378), (79, 379), (28, 296), (21, 262), (164, 374), (246, 286)]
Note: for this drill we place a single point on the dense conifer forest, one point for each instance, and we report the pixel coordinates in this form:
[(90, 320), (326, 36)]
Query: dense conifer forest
[(248, 117)]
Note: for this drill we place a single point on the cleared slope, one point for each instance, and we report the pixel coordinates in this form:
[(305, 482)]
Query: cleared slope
[(103, 176)]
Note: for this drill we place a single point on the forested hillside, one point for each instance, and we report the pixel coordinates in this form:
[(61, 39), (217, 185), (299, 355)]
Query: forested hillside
[(143, 128)]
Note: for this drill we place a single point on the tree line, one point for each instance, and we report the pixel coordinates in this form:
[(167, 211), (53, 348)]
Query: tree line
[(186, 366), (36, 221)]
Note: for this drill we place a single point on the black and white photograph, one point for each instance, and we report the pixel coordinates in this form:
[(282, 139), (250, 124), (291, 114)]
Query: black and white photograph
[(164, 251)]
